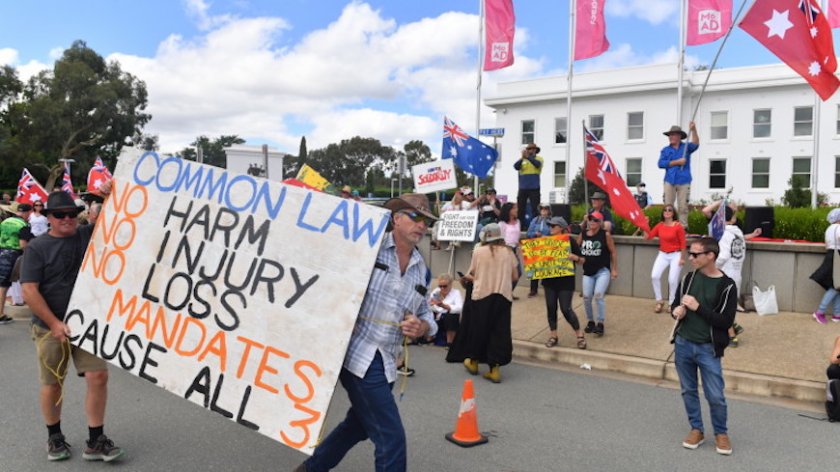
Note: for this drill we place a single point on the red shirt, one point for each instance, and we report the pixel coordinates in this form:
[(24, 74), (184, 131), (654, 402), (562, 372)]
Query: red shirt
[(671, 238)]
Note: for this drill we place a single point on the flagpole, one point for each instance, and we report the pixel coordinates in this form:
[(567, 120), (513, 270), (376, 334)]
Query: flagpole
[(478, 83), (680, 62), (569, 76), (815, 162), (712, 67), (585, 158)]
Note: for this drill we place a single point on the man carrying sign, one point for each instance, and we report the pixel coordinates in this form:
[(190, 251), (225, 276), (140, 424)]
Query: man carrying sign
[(49, 272), (394, 306)]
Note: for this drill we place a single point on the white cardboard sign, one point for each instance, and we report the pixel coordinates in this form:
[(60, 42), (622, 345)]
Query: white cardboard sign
[(458, 225), (434, 176), (221, 287)]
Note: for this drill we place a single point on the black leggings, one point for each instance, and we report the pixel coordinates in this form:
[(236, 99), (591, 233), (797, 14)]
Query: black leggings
[(564, 299)]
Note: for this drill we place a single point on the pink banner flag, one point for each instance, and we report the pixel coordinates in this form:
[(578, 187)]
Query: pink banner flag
[(708, 20), (590, 29), (833, 10), (499, 27)]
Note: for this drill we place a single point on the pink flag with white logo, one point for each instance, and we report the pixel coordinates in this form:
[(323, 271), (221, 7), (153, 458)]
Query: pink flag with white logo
[(708, 20), (499, 22), (590, 29), (833, 10)]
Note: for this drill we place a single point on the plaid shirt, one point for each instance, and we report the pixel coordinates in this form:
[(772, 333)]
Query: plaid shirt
[(389, 296)]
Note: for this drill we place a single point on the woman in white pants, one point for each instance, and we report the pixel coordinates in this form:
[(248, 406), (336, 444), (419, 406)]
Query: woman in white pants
[(671, 255)]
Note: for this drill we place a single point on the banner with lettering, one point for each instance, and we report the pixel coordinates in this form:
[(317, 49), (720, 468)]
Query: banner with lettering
[(458, 225), (547, 257), (234, 292), (434, 176)]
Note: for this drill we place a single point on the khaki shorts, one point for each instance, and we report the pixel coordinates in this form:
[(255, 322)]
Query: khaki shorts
[(52, 357)]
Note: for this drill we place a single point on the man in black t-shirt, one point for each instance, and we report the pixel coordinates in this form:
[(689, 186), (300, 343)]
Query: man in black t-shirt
[(49, 272)]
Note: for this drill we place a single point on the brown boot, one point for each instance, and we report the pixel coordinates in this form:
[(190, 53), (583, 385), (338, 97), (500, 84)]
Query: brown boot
[(722, 444), (495, 374), (471, 365), (693, 440)]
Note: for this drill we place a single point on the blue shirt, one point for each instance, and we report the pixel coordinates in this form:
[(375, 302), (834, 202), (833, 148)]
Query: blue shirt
[(389, 295), (538, 227), (677, 175)]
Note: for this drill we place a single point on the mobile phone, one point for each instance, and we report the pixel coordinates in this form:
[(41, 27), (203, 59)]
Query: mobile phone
[(460, 274)]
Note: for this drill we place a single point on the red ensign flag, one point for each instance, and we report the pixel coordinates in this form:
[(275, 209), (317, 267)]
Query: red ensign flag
[(797, 32)]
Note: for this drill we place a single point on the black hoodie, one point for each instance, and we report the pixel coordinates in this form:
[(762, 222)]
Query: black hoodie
[(720, 317)]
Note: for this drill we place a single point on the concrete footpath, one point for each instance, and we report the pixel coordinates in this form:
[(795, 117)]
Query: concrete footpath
[(783, 355)]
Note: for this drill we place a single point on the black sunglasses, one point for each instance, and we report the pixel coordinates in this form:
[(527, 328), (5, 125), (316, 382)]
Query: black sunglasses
[(417, 217), (697, 254), (64, 214), (443, 286)]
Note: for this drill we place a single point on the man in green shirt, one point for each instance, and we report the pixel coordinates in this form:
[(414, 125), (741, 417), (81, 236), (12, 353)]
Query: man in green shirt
[(704, 309), (14, 234)]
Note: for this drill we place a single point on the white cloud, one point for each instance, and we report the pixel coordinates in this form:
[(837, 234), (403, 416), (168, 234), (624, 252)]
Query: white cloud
[(362, 74), (56, 53), (198, 10), (653, 11), (8, 56)]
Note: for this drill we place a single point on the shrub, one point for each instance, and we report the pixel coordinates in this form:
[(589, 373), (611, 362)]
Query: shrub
[(796, 196)]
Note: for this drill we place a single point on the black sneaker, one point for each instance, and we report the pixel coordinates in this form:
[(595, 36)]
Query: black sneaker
[(599, 329), (5, 319), (103, 449), (57, 448), (590, 327), (738, 328)]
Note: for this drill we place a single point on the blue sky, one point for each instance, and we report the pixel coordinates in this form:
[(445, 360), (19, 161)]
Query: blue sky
[(273, 70)]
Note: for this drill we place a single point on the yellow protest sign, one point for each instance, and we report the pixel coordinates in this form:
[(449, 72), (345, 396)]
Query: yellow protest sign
[(547, 257)]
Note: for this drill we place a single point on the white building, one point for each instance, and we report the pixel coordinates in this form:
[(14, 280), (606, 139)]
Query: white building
[(756, 126), (241, 158)]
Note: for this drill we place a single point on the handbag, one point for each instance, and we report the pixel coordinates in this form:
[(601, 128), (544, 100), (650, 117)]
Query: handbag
[(765, 301)]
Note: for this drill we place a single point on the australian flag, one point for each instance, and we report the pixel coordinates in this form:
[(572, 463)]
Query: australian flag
[(717, 225), (469, 153)]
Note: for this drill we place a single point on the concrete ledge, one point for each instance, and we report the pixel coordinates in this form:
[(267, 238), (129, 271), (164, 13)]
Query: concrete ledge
[(638, 366), (18, 312), (736, 381)]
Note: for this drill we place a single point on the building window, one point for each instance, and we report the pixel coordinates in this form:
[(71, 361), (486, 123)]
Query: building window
[(634, 171), (720, 125), (837, 131), (761, 123), (803, 121), (560, 174), (836, 171), (636, 125), (761, 173), (560, 130), (802, 170), (717, 173), (527, 131), (596, 126)]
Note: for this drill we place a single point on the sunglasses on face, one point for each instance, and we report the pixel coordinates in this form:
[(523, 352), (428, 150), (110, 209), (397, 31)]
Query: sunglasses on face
[(38, 206), (417, 217), (696, 254), (60, 215), (594, 220), (443, 286)]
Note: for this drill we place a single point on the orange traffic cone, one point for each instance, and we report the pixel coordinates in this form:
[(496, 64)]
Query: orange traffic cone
[(466, 427)]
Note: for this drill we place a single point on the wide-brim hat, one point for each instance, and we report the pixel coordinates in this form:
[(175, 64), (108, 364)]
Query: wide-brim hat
[(491, 232), (558, 221), (598, 196), (533, 146), (676, 129), (61, 200), (411, 201), (347, 189)]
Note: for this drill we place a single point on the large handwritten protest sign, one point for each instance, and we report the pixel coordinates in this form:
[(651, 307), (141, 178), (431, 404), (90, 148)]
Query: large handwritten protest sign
[(547, 257), (236, 293)]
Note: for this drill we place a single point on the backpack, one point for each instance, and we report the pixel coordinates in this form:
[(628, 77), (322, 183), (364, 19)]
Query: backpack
[(832, 402)]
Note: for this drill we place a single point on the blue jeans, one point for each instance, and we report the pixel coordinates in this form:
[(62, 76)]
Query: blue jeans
[(373, 414), (689, 357), (596, 285), (832, 297)]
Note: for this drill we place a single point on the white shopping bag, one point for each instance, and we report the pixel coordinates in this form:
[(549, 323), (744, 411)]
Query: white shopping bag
[(765, 302)]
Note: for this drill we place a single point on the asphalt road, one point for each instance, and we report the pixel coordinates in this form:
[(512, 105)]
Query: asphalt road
[(538, 419)]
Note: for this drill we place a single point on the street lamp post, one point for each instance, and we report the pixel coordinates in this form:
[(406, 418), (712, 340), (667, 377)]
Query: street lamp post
[(393, 180)]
